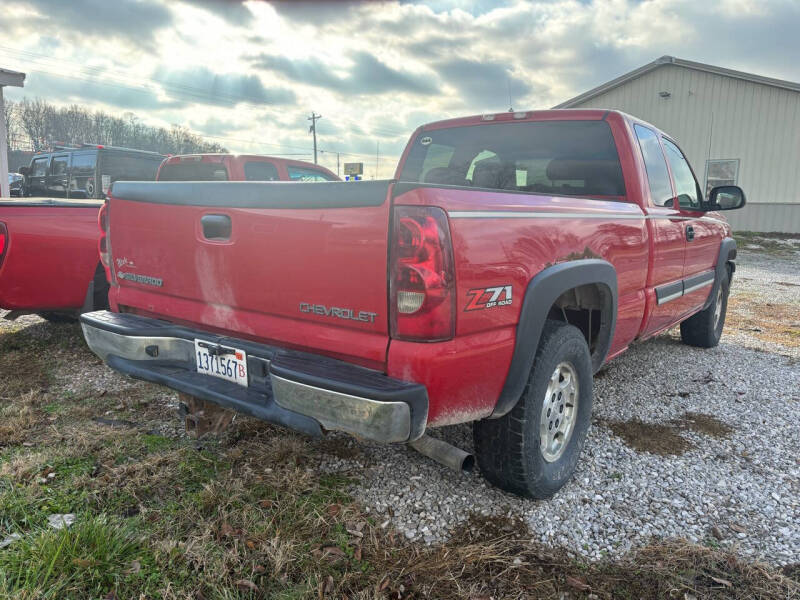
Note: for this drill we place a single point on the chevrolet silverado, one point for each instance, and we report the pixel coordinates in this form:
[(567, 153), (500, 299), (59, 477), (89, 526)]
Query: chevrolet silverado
[(511, 256)]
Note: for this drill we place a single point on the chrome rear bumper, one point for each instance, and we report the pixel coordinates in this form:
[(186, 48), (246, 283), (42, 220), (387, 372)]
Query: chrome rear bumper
[(302, 391)]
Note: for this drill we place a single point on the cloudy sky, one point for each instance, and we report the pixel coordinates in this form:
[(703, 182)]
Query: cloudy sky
[(248, 74)]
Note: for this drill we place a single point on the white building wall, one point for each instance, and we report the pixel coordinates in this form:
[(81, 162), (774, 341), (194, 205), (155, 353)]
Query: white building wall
[(720, 117)]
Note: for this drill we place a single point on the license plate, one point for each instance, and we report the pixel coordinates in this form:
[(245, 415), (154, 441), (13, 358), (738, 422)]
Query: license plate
[(221, 361)]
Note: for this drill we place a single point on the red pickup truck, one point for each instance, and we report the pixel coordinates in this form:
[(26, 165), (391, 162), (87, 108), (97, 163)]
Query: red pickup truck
[(48, 255), (511, 257)]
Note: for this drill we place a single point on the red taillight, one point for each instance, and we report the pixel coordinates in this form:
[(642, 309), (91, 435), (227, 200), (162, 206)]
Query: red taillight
[(102, 243), (3, 241), (422, 275)]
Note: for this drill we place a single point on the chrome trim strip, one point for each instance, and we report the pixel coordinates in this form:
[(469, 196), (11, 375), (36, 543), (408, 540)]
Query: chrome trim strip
[(666, 299), (698, 286), (511, 214), (362, 417), (520, 214), (130, 347)]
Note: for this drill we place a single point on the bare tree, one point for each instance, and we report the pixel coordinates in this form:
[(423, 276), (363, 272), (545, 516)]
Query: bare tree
[(46, 125)]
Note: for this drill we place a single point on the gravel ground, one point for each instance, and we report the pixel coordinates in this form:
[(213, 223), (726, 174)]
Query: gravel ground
[(738, 488)]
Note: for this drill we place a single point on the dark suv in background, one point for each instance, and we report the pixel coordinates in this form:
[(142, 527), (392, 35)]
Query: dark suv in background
[(88, 171)]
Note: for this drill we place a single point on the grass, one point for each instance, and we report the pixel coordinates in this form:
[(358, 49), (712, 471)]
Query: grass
[(248, 515), (785, 245), (773, 322)]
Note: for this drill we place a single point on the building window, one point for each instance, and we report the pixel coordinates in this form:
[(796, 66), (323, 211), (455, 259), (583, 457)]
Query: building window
[(721, 172)]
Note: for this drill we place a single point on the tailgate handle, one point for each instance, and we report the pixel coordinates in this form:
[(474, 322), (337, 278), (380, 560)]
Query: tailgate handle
[(216, 227)]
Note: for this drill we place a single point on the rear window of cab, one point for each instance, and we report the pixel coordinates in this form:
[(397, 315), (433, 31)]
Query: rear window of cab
[(562, 158), (193, 171)]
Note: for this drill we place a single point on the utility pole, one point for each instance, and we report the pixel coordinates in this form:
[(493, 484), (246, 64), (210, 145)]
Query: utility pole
[(313, 129), (337, 165), (377, 158)]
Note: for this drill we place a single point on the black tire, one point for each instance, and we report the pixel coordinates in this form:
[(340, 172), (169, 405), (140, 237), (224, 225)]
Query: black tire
[(704, 329), (509, 450), (100, 297), (58, 317)]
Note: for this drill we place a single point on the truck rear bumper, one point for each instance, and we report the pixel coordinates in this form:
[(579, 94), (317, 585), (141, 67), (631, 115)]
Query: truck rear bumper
[(301, 391)]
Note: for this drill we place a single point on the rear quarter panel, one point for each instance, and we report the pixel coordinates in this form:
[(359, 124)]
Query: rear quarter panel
[(465, 376)]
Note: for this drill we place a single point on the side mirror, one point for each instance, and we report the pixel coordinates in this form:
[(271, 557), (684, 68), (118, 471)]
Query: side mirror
[(725, 197)]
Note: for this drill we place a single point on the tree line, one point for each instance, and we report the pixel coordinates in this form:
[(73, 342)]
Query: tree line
[(39, 126)]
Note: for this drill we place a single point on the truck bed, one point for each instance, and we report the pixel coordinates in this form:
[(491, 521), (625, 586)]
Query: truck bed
[(51, 255)]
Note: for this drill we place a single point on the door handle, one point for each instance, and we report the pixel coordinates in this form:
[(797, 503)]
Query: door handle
[(689, 233), (216, 227)]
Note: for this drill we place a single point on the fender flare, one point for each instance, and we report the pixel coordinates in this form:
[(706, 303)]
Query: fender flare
[(727, 252), (543, 290)]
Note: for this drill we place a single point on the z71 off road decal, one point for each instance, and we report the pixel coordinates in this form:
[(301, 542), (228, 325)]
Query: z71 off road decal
[(490, 297)]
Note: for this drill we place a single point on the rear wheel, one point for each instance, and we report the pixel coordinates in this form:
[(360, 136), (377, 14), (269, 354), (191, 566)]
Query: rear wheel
[(704, 329), (533, 450)]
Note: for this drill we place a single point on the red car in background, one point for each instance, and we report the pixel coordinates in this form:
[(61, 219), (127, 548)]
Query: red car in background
[(49, 262), (240, 167)]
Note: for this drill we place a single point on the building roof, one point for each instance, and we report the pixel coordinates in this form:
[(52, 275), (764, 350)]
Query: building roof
[(671, 60), (8, 77)]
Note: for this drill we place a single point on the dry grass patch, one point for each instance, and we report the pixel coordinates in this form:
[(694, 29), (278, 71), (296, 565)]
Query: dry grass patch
[(773, 322)]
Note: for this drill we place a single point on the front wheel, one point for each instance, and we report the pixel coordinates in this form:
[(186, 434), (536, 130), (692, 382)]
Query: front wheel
[(704, 329), (533, 450)]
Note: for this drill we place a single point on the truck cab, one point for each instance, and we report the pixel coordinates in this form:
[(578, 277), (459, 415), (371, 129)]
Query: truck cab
[(240, 167)]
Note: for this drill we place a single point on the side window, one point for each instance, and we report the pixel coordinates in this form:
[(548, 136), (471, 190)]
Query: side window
[(305, 175), (81, 180), (657, 173), (686, 187), (260, 171), (39, 168), (60, 165)]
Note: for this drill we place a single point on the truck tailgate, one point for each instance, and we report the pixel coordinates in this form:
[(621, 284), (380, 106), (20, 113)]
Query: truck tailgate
[(298, 265)]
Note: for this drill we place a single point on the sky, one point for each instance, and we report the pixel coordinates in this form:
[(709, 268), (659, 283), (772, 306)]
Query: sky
[(248, 74)]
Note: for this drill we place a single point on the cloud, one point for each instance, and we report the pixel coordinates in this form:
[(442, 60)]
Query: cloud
[(91, 91), (366, 76), (314, 12), (92, 20), (203, 86), (234, 12), (483, 84), (213, 126)]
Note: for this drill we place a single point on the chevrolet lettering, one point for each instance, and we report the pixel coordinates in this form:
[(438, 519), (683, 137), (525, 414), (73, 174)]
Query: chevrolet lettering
[(340, 313)]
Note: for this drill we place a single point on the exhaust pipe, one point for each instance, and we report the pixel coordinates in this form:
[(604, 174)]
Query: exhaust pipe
[(444, 453)]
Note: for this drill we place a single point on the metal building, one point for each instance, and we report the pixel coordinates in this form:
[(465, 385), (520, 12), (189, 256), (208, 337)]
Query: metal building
[(735, 128)]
